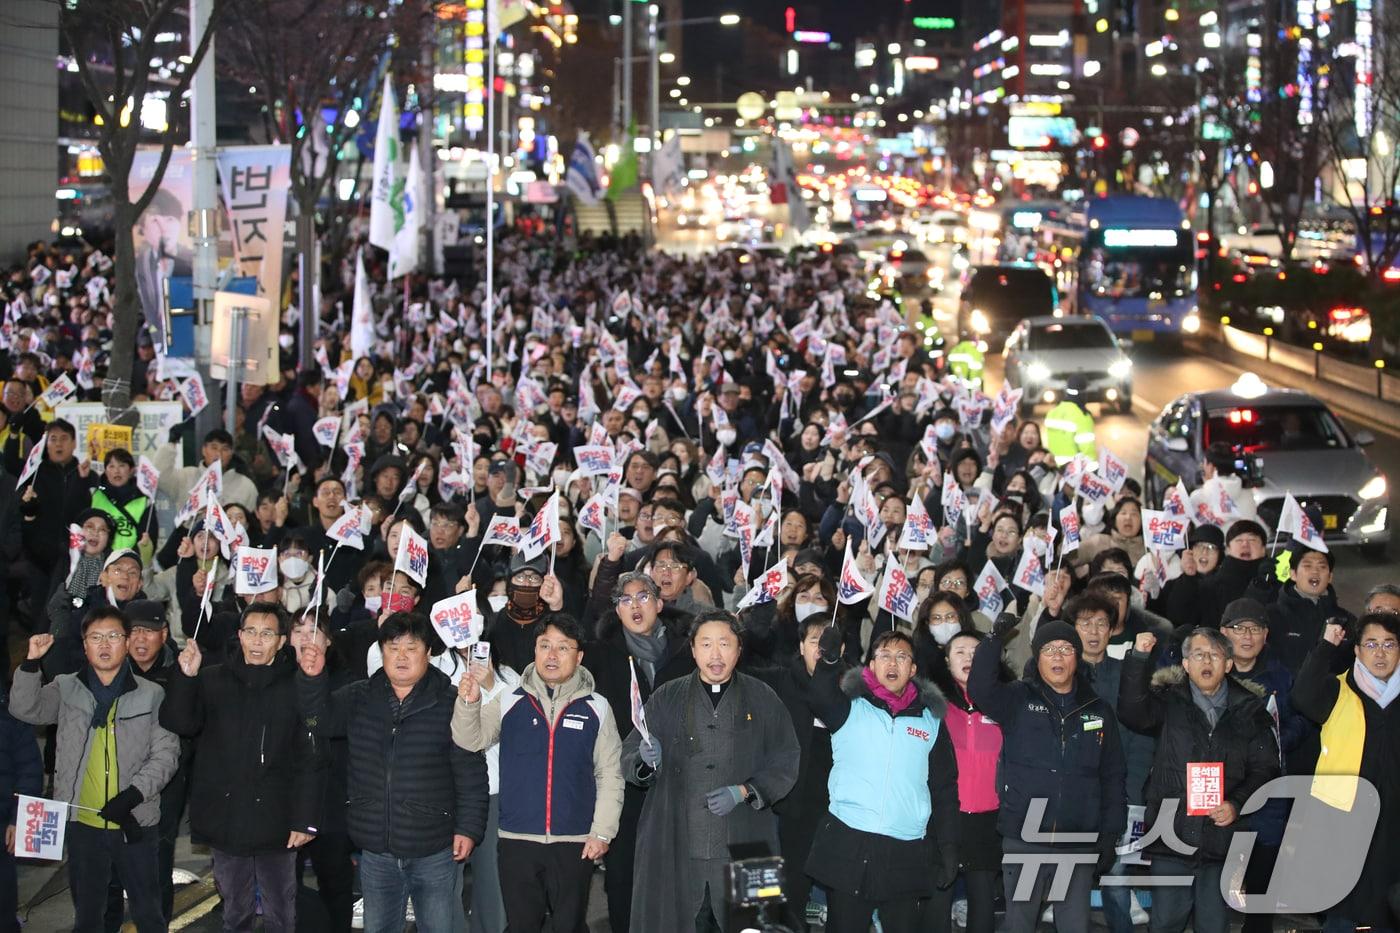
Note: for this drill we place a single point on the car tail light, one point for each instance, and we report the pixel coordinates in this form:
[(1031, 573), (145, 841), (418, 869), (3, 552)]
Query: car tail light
[(1242, 416)]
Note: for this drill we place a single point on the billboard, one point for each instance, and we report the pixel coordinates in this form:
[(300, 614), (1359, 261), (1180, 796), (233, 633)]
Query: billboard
[(1041, 132)]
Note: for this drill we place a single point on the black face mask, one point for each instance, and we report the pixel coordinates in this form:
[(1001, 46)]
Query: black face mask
[(525, 604)]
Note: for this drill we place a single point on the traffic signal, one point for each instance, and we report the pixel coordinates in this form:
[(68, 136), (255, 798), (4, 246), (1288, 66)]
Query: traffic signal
[(1100, 142)]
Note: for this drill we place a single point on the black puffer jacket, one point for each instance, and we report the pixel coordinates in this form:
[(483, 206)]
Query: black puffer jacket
[(1296, 624), (1069, 754), (1243, 739), (411, 788), (258, 772)]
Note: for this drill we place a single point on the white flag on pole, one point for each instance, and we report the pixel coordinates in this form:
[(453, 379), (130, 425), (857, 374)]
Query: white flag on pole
[(386, 193)]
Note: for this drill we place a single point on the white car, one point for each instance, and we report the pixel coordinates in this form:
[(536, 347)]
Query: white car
[(1042, 353)]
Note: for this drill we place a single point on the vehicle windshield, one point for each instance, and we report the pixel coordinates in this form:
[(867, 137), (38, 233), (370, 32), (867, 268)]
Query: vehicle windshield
[(1067, 336), (1026, 291), (1282, 427), (1154, 273)]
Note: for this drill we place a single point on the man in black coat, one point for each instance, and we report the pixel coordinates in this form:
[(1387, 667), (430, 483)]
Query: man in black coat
[(420, 800), (1200, 714), (1061, 754), (1305, 605), (654, 640), (258, 774), (50, 502), (1243, 564)]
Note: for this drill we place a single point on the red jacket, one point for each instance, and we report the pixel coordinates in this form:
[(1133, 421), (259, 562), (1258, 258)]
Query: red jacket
[(977, 745)]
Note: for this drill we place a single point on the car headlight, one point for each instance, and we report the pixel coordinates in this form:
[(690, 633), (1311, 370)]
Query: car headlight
[(1374, 488), (1191, 324), (1037, 372), (1121, 369), (979, 321)]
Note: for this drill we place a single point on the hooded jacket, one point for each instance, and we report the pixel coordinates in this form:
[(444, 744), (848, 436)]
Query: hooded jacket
[(1067, 753), (1242, 739), (561, 771)]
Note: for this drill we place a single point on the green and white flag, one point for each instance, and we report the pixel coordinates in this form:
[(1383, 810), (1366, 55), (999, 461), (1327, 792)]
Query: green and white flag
[(386, 195), (411, 218)]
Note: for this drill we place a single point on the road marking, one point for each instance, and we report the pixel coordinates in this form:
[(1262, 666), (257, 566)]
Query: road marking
[(195, 913)]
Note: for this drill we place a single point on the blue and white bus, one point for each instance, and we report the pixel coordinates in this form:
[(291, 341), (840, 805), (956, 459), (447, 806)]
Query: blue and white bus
[(1133, 264)]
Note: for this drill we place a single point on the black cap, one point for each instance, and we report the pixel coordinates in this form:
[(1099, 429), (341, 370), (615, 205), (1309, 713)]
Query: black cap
[(1056, 631), (1205, 534), (1245, 610), (146, 613), (1246, 526)]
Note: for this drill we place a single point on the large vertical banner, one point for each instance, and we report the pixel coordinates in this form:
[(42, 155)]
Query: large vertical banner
[(164, 247), (255, 181)]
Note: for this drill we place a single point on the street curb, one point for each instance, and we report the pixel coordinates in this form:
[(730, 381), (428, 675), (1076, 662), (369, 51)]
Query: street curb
[(1380, 414)]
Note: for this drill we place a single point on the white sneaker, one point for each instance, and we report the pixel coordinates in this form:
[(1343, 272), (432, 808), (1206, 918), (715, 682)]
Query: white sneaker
[(960, 912), (357, 915), (1135, 911), (1049, 915), (408, 912), (182, 876)]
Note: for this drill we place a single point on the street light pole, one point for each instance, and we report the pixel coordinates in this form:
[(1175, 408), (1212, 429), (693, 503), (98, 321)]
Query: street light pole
[(626, 67), (654, 133)]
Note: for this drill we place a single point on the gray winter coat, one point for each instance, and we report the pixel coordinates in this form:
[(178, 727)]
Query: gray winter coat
[(147, 755)]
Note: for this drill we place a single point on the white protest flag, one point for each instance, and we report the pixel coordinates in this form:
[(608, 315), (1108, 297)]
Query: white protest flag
[(412, 220), (147, 477), (362, 317), (36, 457), (386, 192), (897, 595), (327, 430), (634, 694), (988, 588), (412, 556), (346, 530), (457, 620), (40, 827), (255, 571), (852, 587), (543, 531), (767, 587)]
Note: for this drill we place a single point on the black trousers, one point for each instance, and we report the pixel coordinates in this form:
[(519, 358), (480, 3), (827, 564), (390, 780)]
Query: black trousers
[(544, 879), (9, 893), (330, 855), (850, 913), (981, 887), (95, 857)]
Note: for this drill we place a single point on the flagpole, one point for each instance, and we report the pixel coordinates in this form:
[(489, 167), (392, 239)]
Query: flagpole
[(490, 305)]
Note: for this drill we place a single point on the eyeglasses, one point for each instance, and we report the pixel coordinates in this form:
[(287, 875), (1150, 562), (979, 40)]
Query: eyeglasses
[(443, 523), (669, 565), (943, 617), (1058, 651), (123, 572), (1093, 625), (259, 634), (885, 657), (561, 648), (1247, 629), (1388, 646), (1202, 657), (638, 599), (97, 639), (954, 584), (529, 578)]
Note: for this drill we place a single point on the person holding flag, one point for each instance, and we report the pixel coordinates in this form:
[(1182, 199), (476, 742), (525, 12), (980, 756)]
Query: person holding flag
[(118, 495), (638, 647), (889, 837), (53, 491), (707, 788)]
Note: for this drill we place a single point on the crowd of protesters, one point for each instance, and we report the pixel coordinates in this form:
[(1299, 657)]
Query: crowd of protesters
[(753, 572)]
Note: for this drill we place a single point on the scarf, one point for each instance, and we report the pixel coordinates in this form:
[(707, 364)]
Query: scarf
[(85, 574), (648, 650), (104, 695), (1212, 705), (1382, 691), (897, 704)]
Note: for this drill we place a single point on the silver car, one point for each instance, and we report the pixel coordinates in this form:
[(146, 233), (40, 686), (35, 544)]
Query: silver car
[(1297, 445), (1043, 352)]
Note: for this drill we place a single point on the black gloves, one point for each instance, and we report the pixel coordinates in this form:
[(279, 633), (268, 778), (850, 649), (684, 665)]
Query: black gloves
[(830, 644), (118, 809), (1005, 622), (947, 871)]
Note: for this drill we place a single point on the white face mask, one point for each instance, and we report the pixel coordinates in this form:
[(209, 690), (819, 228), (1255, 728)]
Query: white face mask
[(642, 416), (285, 341), (1092, 513), (374, 603), (294, 568), (943, 632), (804, 611), (943, 430), (726, 436), (678, 394), (497, 603)]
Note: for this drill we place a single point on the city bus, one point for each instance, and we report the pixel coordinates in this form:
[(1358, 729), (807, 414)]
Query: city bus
[(1131, 261)]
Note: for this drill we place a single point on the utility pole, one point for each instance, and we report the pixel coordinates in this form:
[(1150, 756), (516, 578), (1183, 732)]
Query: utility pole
[(626, 67), (205, 204), (654, 134)]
